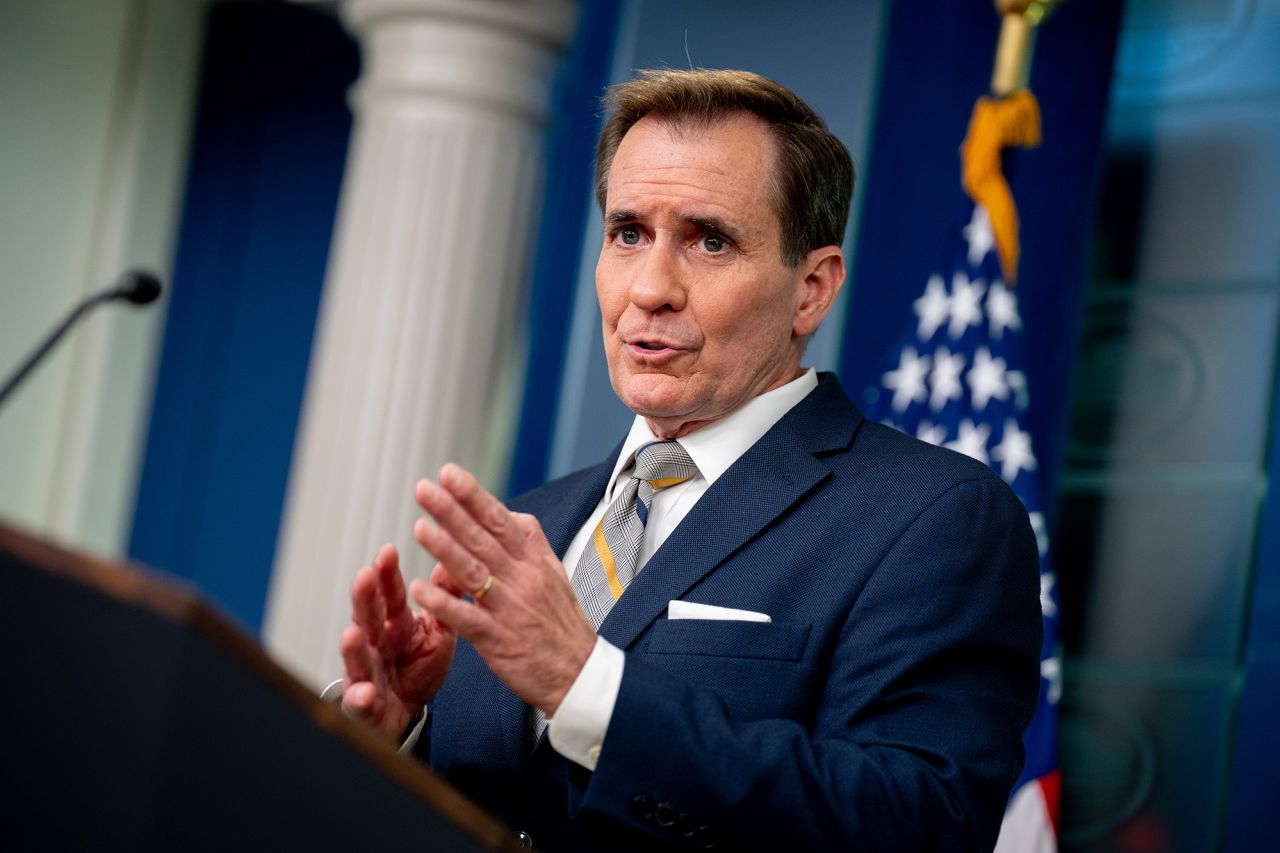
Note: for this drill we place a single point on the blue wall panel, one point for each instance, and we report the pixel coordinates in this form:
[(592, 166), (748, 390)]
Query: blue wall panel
[(266, 166)]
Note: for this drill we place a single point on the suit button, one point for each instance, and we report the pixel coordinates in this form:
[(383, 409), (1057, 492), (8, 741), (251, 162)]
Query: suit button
[(640, 807), (525, 840), (664, 815)]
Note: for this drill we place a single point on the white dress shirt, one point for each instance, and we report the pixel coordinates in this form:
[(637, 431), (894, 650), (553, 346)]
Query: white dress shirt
[(578, 729)]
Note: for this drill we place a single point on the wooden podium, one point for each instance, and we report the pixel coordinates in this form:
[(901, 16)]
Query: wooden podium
[(137, 718)]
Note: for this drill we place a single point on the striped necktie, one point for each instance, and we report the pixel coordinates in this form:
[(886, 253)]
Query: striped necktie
[(611, 560)]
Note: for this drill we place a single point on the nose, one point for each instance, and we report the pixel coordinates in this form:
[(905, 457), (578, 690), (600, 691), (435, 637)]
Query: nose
[(659, 282)]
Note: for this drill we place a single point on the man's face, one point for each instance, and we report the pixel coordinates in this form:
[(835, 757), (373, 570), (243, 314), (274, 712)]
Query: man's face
[(700, 313)]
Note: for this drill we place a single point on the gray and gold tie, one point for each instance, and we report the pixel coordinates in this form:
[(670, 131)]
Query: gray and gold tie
[(611, 559)]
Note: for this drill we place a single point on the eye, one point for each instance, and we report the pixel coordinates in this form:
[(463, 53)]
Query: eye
[(714, 243), (628, 235)]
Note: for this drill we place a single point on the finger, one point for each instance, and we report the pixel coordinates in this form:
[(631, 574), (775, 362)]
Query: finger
[(453, 517), (470, 621), (386, 566), (399, 619), (465, 570), (360, 697), (530, 530), (367, 609), (357, 657), (440, 577), (484, 508)]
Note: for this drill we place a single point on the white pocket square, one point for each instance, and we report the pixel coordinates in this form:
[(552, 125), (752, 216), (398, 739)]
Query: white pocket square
[(694, 610)]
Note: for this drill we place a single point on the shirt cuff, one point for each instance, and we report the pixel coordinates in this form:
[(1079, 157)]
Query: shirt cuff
[(577, 730), (411, 739)]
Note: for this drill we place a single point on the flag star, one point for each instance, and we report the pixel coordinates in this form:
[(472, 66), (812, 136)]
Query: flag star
[(1051, 671), (926, 431), (966, 307), (1018, 383), (1002, 310), (979, 235), (987, 379), (972, 440), (933, 307), (945, 378), (1047, 605), (1014, 451), (907, 382), (1041, 529)]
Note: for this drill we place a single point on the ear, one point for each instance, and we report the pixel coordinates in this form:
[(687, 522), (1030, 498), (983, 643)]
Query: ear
[(823, 271)]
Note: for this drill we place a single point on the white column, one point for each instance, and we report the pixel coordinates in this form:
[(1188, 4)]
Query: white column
[(430, 256)]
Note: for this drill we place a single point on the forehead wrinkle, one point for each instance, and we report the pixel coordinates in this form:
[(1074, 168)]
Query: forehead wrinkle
[(697, 177), (652, 196)]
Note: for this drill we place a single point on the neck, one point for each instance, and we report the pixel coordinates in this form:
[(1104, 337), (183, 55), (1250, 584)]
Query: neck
[(672, 428)]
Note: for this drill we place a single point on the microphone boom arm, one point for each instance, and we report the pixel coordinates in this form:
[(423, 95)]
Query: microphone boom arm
[(135, 286)]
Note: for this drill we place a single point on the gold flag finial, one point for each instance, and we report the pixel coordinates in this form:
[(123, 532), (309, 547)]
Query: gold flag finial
[(1017, 41)]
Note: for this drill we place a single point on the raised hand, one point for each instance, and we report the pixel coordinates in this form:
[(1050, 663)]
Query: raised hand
[(524, 618), (395, 660)]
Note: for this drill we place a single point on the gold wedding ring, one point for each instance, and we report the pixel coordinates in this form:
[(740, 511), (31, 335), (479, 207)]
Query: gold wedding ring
[(484, 589)]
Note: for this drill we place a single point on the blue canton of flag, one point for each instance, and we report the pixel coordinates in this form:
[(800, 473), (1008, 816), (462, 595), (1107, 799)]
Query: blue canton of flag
[(958, 382)]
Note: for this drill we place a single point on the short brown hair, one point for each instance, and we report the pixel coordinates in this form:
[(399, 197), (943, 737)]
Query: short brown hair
[(814, 179)]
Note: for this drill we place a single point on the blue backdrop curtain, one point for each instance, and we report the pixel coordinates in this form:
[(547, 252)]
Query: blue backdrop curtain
[(268, 151)]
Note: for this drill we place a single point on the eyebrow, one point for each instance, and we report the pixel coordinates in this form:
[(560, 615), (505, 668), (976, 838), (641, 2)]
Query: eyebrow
[(711, 223), (706, 223)]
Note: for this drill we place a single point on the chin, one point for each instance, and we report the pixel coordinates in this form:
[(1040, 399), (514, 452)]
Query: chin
[(652, 395)]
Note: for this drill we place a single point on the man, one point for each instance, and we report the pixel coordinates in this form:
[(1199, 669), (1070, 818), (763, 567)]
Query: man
[(862, 653)]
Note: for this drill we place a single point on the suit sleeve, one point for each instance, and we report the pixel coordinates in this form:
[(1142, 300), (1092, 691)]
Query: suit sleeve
[(916, 729)]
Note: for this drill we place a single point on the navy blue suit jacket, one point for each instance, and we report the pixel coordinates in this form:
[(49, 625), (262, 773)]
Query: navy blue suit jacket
[(883, 708)]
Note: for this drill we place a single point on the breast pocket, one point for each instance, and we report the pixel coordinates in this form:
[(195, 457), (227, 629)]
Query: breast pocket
[(728, 639)]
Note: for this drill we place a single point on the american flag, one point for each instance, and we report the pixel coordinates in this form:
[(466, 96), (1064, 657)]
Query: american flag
[(957, 381)]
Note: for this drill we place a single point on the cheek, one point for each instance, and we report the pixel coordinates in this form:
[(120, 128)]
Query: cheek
[(610, 297), (753, 334), (743, 324)]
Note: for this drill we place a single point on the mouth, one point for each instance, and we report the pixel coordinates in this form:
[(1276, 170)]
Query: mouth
[(651, 350)]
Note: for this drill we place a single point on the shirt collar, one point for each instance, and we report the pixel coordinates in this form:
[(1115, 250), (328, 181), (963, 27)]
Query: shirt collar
[(719, 444)]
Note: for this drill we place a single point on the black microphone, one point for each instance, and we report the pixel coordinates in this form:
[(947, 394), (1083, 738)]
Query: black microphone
[(138, 287)]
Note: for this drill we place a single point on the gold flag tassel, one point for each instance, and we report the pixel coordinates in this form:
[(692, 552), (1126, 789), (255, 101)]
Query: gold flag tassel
[(999, 123), (1010, 118)]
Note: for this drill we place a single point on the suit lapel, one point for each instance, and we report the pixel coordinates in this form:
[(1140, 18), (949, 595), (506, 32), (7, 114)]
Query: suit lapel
[(763, 484), (563, 506)]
